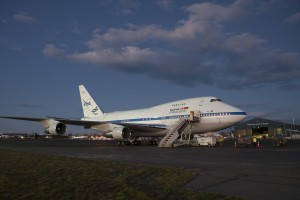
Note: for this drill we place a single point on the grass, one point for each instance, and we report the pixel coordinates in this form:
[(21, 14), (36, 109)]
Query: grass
[(33, 176)]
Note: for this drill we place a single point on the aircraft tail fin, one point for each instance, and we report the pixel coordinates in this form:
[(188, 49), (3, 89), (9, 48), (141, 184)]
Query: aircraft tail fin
[(89, 106)]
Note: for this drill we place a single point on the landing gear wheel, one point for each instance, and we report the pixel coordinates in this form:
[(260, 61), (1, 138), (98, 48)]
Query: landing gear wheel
[(151, 142), (137, 142)]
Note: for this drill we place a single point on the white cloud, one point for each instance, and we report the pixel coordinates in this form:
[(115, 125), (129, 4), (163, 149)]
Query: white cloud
[(258, 114), (219, 13), (295, 18), (24, 17), (126, 56), (51, 51), (197, 50)]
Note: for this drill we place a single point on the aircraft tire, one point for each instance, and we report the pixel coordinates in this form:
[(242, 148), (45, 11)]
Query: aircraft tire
[(136, 143), (119, 143), (152, 142)]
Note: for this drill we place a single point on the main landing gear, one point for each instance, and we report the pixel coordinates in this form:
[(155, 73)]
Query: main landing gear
[(153, 141), (134, 142)]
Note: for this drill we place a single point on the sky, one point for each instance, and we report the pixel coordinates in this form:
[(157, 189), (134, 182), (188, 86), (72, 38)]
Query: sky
[(132, 54)]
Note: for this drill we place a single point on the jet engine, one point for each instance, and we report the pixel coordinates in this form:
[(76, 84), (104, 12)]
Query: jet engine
[(121, 133), (56, 128)]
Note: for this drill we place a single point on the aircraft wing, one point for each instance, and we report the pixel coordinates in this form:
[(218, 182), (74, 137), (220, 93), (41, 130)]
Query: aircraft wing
[(63, 120), (88, 123), (133, 126), (25, 118)]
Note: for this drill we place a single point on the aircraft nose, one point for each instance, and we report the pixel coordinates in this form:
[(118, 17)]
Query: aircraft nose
[(241, 114)]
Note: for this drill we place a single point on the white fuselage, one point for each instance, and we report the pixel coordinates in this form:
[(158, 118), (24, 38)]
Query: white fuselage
[(214, 115)]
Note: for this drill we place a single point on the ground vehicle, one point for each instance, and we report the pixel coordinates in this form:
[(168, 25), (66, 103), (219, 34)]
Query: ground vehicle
[(206, 140), (219, 141), (279, 140)]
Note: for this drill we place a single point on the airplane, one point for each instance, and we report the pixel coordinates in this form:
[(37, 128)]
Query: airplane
[(211, 114)]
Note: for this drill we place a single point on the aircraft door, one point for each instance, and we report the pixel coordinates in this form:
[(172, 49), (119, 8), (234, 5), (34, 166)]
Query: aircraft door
[(195, 115)]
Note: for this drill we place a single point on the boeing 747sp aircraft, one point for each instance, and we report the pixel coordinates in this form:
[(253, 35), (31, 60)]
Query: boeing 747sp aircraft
[(205, 113)]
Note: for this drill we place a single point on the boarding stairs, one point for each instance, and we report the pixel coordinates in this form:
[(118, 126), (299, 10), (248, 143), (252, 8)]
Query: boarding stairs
[(173, 133)]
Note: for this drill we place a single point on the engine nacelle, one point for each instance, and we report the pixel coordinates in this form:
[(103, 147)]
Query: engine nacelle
[(121, 133), (56, 128)]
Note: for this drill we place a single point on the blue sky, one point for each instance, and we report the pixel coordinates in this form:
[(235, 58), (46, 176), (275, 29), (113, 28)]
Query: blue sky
[(135, 54)]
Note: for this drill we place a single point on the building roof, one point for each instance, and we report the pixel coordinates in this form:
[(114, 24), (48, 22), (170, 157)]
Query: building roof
[(260, 122)]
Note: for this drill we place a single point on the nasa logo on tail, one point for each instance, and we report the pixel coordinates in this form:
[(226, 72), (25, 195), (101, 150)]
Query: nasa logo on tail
[(86, 103), (95, 110)]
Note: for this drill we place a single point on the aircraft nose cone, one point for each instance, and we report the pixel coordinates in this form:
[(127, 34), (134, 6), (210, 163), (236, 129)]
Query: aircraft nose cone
[(241, 115)]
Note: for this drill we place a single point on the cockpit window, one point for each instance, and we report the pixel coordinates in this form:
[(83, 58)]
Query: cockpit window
[(213, 100)]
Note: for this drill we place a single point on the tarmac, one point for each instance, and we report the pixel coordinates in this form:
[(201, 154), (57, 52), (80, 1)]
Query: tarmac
[(251, 173)]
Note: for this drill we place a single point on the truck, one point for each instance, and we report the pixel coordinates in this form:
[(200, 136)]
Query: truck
[(208, 141), (279, 140)]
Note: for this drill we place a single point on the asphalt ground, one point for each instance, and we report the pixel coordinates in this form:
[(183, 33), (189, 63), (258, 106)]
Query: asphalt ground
[(251, 173)]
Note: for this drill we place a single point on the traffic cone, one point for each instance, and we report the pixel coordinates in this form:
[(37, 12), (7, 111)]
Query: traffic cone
[(258, 145)]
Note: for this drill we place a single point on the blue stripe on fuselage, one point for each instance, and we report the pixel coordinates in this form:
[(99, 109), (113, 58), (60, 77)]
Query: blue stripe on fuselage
[(176, 117)]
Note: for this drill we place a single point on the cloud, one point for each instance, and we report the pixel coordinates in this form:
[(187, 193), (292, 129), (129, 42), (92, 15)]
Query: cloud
[(295, 18), (265, 110), (211, 12), (197, 51), (51, 51), (124, 57), (24, 17), (258, 114), (289, 87)]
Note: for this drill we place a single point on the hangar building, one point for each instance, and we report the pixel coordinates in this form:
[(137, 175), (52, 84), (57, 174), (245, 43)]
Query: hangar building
[(267, 128)]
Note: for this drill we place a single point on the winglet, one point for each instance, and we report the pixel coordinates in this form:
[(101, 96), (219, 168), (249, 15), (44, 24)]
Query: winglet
[(89, 106)]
